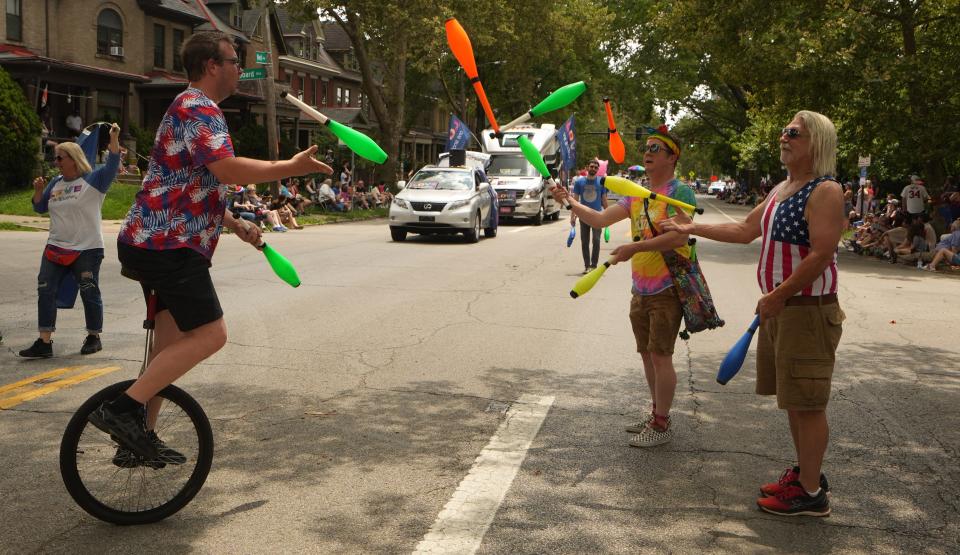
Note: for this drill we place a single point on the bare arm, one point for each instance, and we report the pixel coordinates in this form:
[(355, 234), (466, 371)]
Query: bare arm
[(249, 170), (610, 215), (742, 232)]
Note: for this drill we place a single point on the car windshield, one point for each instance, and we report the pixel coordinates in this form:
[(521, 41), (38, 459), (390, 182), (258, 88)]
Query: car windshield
[(445, 180), (513, 166)]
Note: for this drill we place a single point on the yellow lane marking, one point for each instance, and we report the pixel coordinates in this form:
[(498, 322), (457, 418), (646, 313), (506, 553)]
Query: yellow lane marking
[(10, 402), (39, 377)]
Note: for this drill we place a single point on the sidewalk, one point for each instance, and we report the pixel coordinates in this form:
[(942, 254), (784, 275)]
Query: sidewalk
[(43, 223)]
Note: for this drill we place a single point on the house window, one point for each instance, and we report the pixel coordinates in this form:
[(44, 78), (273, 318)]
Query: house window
[(177, 44), (159, 45), (109, 105), (323, 100), (339, 96), (346, 97), (109, 33), (15, 20)]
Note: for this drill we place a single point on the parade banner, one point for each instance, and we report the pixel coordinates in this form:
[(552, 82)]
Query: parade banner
[(567, 138), (458, 136)]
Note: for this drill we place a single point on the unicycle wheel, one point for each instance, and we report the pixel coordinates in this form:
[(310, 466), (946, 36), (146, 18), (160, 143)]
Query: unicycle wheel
[(115, 485)]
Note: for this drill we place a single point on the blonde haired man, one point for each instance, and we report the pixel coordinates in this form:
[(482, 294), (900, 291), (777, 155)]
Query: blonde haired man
[(800, 223)]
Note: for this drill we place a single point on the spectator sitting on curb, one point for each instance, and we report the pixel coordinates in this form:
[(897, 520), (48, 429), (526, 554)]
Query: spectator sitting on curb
[(281, 205), (892, 238), (871, 237), (327, 197), (915, 242), (948, 249), (251, 203)]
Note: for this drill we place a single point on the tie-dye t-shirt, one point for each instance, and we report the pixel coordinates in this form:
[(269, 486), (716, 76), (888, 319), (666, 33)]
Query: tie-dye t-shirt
[(650, 273)]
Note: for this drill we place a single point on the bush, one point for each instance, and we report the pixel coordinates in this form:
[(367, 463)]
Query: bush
[(19, 136), (145, 139)]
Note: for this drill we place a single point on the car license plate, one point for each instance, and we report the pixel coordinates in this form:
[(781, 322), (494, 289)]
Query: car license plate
[(428, 218), (506, 209)]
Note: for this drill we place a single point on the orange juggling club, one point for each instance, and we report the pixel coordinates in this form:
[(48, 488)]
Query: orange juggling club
[(463, 51), (617, 150)]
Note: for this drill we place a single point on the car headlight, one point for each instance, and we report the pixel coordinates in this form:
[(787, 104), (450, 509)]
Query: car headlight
[(401, 203), (458, 204), (533, 193)]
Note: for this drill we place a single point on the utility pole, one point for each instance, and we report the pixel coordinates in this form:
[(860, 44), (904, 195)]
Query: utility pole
[(270, 96)]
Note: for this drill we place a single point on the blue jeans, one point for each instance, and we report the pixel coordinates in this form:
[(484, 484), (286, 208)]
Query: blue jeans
[(86, 270)]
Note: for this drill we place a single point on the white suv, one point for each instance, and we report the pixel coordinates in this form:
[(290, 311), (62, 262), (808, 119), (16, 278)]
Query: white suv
[(445, 200)]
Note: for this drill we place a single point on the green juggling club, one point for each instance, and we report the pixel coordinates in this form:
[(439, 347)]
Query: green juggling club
[(532, 155), (556, 100), (281, 266), (356, 141)]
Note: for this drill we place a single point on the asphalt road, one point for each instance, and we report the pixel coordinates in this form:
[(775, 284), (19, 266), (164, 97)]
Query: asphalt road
[(347, 412)]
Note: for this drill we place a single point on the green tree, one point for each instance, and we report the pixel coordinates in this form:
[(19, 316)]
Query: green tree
[(19, 136)]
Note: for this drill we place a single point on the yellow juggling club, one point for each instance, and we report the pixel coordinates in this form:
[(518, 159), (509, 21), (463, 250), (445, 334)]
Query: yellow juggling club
[(628, 188), (587, 282)]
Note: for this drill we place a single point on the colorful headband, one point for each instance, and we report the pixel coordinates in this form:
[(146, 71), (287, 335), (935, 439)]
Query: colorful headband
[(662, 133)]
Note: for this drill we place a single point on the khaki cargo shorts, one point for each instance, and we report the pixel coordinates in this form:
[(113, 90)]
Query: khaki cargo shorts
[(796, 352), (656, 321)]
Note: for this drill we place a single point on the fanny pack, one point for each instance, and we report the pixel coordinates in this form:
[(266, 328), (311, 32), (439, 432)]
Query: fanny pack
[(60, 255), (699, 312)]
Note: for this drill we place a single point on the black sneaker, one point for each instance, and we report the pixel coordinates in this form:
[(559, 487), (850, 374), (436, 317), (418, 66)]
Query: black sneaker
[(127, 428), (165, 454), (125, 458), (91, 345), (39, 349)]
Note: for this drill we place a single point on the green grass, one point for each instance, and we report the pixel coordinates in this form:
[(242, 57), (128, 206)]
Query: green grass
[(320, 218), (8, 226), (115, 206)]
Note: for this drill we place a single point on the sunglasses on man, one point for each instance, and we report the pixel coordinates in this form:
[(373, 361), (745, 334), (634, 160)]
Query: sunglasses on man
[(654, 148), (790, 132)]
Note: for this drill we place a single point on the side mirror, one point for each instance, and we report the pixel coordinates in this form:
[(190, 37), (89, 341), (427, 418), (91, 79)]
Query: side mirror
[(401, 184)]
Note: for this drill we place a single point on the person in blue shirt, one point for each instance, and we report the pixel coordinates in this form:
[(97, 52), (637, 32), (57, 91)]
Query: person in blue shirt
[(589, 191)]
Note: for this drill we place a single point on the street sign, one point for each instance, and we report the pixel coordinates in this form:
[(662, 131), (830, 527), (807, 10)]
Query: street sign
[(253, 73), (863, 161), (262, 57)]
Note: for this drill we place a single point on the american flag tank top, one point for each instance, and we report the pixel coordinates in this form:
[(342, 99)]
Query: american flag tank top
[(786, 242)]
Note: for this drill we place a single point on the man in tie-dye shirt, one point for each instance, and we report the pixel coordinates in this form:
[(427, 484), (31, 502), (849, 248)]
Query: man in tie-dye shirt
[(655, 310)]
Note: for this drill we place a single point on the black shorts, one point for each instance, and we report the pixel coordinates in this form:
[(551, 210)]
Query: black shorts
[(181, 278)]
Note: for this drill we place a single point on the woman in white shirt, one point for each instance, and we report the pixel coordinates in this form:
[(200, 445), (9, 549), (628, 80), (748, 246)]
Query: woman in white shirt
[(75, 244)]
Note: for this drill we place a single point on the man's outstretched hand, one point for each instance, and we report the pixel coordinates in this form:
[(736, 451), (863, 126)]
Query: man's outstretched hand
[(681, 223), (304, 162)]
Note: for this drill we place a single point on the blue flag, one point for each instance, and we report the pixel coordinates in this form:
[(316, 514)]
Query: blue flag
[(458, 135), (89, 142), (567, 137)]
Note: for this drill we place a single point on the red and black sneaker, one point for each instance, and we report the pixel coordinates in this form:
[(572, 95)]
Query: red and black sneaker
[(793, 500), (789, 475)]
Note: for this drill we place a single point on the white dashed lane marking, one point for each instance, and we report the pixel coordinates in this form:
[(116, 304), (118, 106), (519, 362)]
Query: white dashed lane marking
[(464, 520)]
